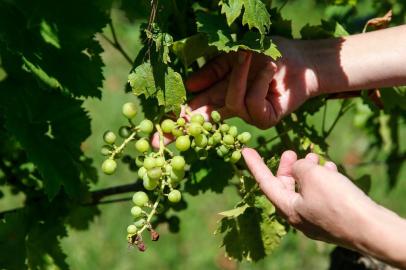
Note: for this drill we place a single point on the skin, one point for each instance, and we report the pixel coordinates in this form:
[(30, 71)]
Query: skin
[(262, 91)]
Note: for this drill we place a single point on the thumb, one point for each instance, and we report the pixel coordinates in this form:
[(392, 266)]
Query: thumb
[(269, 184)]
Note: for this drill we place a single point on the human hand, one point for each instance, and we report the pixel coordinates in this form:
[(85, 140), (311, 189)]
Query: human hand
[(317, 200), (254, 87)]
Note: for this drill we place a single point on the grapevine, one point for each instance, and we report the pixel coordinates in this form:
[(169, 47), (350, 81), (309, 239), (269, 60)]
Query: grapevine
[(161, 171)]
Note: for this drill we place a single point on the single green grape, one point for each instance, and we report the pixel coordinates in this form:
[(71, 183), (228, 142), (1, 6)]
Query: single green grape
[(140, 198), (182, 143), (124, 132), (207, 126), (177, 132), (174, 196), (215, 116), (139, 223), (210, 141), (201, 140), (197, 118), (139, 161), (195, 129), (105, 150), (177, 175), (167, 125), (159, 161), (244, 137), (149, 163), (109, 166), (129, 110), (181, 122), (109, 137), (233, 131), (216, 137), (136, 211), (178, 163), (228, 139), (142, 145), (155, 173), (168, 168), (141, 172), (132, 229), (224, 150), (224, 128), (149, 183), (146, 126), (235, 156), (219, 152)]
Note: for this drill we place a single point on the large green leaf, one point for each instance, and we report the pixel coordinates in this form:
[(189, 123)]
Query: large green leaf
[(165, 85)]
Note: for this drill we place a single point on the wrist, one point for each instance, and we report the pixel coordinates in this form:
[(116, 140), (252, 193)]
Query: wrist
[(382, 235)]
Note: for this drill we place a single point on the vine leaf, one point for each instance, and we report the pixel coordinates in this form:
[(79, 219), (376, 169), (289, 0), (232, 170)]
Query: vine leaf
[(255, 13), (169, 91), (50, 134), (220, 36), (253, 233), (191, 48)]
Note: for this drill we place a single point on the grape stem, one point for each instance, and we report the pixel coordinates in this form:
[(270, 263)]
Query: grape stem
[(161, 140), (153, 211), (118, 150)]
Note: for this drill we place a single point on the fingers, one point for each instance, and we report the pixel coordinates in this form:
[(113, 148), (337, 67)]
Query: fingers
[(258, 107), (267, 182), (312, 157), (211, 73), (235, 98), (213, 96), (288, 158), (330, 166)]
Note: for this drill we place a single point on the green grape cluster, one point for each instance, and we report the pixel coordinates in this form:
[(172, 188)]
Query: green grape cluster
[(161, 170)]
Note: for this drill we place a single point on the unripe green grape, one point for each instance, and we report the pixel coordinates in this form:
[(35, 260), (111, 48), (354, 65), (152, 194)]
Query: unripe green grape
[(216, 137), (235, 156), (215, 115), (155, 173), (244, 137), (174, 196), (132, 229), (224, 128), (149, 183), (141, 172), (109, 166), (228, 139), (181, 121), (129, 110), (224, 150), (177, 132), (149, 163), (178, 163), (105, 150), (136, 211), (201, 140), (197, 118), (233, 131), (210, 141), (146, 126), (168, 168), (139, 223), (195, 129), (124, 132), (219, 152), (182, 143), (140, 198), (167, 125), (109, 137), (177, 175), (207, 126), (142, 145), (139, 161), (159, 161)]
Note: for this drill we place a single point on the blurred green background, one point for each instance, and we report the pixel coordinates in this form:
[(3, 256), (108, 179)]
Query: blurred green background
[(104, 245)]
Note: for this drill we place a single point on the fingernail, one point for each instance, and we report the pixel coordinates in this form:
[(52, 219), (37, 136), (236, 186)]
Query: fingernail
[(242, 56)]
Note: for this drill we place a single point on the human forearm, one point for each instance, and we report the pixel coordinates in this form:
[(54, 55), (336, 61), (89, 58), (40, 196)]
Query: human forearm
[(372, 60), (383, 236)]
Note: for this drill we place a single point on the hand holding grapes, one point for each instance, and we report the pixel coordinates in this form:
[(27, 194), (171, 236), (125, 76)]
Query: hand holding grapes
[(253, 86), (325, 205)]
